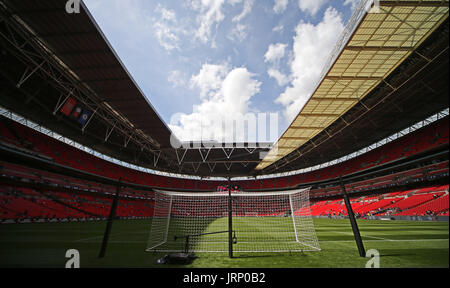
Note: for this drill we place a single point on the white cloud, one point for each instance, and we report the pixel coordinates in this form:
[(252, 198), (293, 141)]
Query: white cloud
[(176, 78), (275, 52), (210, 14), (278, 76), (248, 4), (278, 28), (166, 37), (209, 79), (166, 29), (229, 91), (280, 6), (312, 47), (239, 32), (166, 14), (311, 6)]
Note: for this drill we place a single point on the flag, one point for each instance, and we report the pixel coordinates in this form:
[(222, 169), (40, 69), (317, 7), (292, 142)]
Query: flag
[(76, 112), (68, 106), (85, 115)]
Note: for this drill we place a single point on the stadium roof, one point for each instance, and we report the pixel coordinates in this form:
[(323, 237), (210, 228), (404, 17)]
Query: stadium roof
[(79, 45), (382, 68), (381, 41)]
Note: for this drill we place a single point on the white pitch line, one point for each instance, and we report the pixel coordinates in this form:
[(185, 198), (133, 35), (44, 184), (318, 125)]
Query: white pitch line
[(387, 240), (95, 237), (374, 237), (87, 239), (379, 238)]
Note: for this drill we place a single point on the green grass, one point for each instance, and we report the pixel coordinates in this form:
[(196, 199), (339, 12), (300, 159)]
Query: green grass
[(400, 244)]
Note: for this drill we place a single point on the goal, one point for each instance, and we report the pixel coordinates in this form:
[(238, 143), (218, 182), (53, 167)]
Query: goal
[(261, 222)]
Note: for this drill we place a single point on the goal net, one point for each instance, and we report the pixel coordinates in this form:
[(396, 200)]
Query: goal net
[(261, 222)]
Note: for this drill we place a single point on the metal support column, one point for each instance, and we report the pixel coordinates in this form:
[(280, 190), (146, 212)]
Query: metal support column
[(112, 214), (230, 222), (351, 215)]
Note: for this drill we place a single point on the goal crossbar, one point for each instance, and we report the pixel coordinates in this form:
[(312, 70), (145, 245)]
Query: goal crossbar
[(233, 193)]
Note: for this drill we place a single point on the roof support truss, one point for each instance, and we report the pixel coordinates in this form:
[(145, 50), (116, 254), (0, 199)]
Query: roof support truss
[(26, 46)]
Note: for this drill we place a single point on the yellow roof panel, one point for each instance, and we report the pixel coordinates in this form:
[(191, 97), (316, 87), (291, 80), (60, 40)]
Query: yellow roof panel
[(380, 43)]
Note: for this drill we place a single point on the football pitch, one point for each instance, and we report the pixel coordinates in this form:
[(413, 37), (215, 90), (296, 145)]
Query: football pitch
[(402, 244)]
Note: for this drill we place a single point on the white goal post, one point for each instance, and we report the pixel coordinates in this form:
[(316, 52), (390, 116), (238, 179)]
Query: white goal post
[(277, 221)]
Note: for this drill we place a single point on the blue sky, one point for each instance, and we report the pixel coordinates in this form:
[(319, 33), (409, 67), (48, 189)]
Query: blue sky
[(200, 60)]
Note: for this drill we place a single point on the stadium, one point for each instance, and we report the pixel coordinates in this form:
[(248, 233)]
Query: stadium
[(90, 168)]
